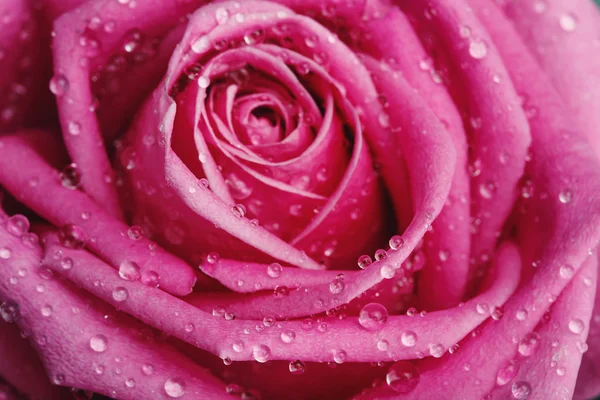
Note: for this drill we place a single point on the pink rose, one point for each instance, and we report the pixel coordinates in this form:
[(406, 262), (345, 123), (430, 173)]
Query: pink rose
[(299, 199)]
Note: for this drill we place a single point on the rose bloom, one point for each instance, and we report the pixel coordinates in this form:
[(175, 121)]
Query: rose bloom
[(299, 199)]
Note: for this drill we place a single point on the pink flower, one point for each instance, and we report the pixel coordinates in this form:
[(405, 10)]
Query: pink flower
[(299, 199)]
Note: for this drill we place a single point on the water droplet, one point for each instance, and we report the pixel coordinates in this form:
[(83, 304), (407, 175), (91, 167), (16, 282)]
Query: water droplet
[(201, 45), (261, 353), (437, 350), (9, 311), (274, 270), (337, 286), (174, 387), (212, 258), (222, 15), (150, 278), (5, 253), (74, 128), (130, 382), (297, 367), (99, 343), (238, 346), (561, 371), (373, 316), (364, 261), (384, 120), (487, 190), (148, 369), (17, 225), (521, 390), (70, 177), (568, 22), (129, 271), (120, 294), (566, 271), (58, 379), (482, 308), (72, 236), (203, 82), (59, 85), (46, 310), (189, 327), (383, 345), (135, 232), (576, 325), (387, 272), (340, 356), (238, 210), (507, 372), (565, 196), (288, 336), (396, 242), (497, 313), (380, 254), (478, 49), (402, 377), (409, 338), (528, 344)]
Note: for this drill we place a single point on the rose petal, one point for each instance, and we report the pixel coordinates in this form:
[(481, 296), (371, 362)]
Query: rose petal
[(563, 39), (217, 335), (62, 319), (20, 366), (25, 174)]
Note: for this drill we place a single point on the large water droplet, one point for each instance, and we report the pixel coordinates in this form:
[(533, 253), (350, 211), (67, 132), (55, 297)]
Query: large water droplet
[(337, 286), (150, 278), (5, 253), (261, 353), (135, 232), (402, 377), (437, 350), (566, 271), (174, 387), (46, 310), (288, 336), (387, 272), (396, 242), (99, 343), (373, 316), (129, 271), (520, 390)]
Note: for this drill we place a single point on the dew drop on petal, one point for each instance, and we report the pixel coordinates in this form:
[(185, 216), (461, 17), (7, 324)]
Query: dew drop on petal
[(520, 390), (402, 377), (387, 272), (565, 196), (340, 356), (409, 338), (383, 345), (568, 22), (507, 372), (396, 242), (261, 353), (297, 367), (135, 232), (150, 278), (99, 343), (72, 236), (528, 344), (288, 336), (74, 128), (148, 369), (174, 387), (566, 271), (364, 261), (5, 253), (437, 350), (274, 270), (478, 49), (17, 225), (47, 310), (70, 177), (212, 258), (59, 85), (576, 326), (120, 294), (9, 311), (373, 316), (129, 271), (337, 286)]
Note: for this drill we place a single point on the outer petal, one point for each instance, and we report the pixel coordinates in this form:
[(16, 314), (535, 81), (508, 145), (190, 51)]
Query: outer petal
[(81, 347)]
